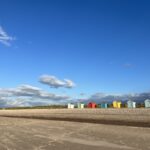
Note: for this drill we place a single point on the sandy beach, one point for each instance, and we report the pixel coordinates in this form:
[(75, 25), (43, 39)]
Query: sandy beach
[(44, 133)]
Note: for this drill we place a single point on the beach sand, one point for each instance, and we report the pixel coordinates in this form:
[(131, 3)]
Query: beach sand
[(44, 133)]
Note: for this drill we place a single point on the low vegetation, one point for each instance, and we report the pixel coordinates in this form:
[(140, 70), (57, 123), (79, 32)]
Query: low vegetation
[(138, 105), (38, 107)]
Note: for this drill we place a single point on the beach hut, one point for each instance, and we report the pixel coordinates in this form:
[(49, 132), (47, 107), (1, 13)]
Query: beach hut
[(80, 105), (147, 103), (91, 105), (70, 106), (116, 104), (104, 105), (131, 104)]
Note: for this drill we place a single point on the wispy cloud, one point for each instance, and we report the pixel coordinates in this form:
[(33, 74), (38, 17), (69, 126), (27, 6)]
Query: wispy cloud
[(127, 65), (54, 82), (5, 38), (82, 94), (28, 95)]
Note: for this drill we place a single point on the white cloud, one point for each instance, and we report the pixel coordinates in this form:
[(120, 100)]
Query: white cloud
[(25, 95), (69, 83), (5, 38), (100, 97), (53, 82)]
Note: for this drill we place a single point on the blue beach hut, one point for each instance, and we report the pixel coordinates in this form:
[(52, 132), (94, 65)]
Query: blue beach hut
[(104, 105)]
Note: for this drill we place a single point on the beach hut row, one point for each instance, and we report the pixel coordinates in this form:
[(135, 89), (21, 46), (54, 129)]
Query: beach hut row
[(115, 104)]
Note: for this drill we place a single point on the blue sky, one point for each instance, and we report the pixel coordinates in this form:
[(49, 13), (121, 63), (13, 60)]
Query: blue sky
[(102, 46)]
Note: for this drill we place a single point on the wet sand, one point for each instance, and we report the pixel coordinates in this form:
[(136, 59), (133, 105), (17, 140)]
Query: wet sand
[(127, 117), (43, 134)]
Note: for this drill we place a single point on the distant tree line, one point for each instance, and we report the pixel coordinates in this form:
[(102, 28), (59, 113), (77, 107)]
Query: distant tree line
[(38, 107), (138, 105)]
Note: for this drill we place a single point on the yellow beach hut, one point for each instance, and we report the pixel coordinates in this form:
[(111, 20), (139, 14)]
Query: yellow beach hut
[(116, 104)]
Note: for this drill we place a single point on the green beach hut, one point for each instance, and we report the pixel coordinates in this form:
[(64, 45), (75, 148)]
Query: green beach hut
[(80, 105)]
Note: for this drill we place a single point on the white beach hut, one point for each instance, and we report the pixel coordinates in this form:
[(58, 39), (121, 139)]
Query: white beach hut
[(147, 103), (131, 104), (70, 106)]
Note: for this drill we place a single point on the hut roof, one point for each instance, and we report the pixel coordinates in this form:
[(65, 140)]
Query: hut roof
[(147, 100)]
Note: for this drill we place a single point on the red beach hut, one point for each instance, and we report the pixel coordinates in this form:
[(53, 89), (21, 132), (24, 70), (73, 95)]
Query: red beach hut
[(91, 105)]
